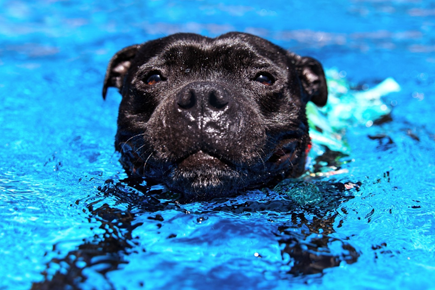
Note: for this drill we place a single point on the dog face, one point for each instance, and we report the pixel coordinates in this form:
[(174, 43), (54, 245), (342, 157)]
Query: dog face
[(211, 117)]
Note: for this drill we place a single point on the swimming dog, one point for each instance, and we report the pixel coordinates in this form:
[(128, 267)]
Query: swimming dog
[(212, 117)]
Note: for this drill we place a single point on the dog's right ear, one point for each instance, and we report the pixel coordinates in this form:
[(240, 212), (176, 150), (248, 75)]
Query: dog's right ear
[(118, 67), (312, 78)]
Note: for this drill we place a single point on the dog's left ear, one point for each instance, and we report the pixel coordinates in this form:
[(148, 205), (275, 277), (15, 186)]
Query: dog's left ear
[(313, 80), (118, 67)]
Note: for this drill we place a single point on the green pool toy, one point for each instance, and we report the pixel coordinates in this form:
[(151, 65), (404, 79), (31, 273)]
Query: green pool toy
[(346, 108)]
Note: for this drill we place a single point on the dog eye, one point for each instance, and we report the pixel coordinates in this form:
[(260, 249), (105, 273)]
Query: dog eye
[(265, 79), (154, 79)]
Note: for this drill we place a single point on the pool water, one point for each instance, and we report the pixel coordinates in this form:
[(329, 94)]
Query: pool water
[(70, 222)]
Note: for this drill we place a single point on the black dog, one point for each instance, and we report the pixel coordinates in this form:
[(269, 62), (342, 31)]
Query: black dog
[(210, 117)]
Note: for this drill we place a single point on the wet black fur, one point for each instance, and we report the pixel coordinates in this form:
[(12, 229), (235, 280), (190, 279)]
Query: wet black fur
[(209, 128)]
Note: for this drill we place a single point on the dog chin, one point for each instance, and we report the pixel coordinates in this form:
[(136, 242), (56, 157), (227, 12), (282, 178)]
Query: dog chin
[(201, 176), (203, 184)]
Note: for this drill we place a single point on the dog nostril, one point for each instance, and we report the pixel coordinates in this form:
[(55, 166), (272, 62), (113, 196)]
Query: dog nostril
[(187, 100), (218, 100)]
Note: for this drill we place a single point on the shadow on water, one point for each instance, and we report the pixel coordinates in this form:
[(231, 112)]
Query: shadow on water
[(105, 251), (304, 236), (312, 255)]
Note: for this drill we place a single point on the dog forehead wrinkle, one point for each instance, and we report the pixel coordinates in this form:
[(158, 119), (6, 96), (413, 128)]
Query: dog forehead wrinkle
[(206, 53), (174, 48), (261, 46)]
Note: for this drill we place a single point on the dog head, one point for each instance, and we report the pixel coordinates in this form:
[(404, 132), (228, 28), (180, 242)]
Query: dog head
[(210, 117)]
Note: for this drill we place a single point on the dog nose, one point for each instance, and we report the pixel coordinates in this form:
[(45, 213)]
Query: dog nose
[(218, 99), (187, 100), (203, 96)]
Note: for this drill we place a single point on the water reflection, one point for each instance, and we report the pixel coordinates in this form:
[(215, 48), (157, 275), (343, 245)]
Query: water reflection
[(303, 229)]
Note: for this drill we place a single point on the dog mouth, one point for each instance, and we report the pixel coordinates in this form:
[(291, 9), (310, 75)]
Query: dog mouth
[(202, 172), (200, 157), (285, 154), (208, 174)]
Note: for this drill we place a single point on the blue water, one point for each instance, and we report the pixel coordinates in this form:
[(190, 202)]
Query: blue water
[(67, 222)]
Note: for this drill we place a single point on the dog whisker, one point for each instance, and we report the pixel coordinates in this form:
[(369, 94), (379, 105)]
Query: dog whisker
[(262, 161), (146, 161), (131, 138), (138, 149)]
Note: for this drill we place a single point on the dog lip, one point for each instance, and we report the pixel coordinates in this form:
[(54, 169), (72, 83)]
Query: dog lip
[(285, 152), (194, 159), (204, 156)]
